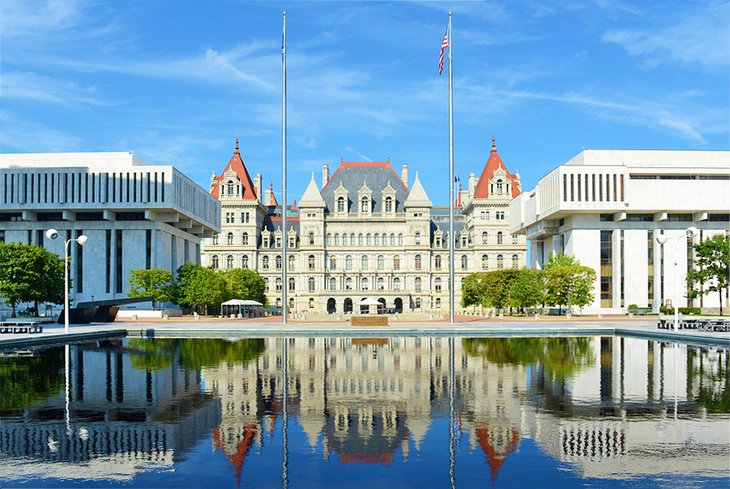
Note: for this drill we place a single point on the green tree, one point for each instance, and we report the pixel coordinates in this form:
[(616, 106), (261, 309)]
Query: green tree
[(499, 284), (567, 282), (199, 287), (472, 292), (528, 289), (155, 283), (245, 284), (30, 273), (711, 268)]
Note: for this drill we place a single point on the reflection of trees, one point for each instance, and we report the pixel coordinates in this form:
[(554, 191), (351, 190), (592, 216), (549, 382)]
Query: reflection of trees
[(560, 357), (713, 392), (193, 353), (27, 381)]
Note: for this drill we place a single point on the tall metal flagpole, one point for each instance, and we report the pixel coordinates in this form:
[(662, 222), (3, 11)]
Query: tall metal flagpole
[(452, 285), (285, 237)]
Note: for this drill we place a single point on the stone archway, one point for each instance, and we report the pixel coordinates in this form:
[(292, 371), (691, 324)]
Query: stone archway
[(331, 306), (381, 307), (398, 305), (347, 306)]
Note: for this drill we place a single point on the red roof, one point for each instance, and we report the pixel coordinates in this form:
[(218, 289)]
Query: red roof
[(235, 164), (237, 458), (496, 458), (493, 164)]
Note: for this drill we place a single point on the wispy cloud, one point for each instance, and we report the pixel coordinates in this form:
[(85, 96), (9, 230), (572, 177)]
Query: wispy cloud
[(47, 90), (361, 156)]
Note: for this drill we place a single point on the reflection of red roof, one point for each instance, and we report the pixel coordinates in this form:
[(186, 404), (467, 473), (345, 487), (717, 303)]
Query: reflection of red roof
[(237, 458), (366, 458), (495, 459), (493, 164), (235, 164)]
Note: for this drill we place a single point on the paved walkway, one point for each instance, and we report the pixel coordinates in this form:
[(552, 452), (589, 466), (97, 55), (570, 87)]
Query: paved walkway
[(466, 326)]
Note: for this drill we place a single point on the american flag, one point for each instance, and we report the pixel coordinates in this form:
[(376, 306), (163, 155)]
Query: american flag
[(444, 45)]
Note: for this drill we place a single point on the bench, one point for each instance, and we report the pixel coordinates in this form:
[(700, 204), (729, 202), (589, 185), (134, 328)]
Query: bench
[(14, 327), (369, 321)]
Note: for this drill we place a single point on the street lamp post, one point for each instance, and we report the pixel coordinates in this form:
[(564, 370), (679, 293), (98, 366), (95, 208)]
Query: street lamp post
[(690, 232), (53, 234)]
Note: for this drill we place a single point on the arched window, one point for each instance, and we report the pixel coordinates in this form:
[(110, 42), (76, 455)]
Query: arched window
[(485, 237), (417, 303), (360, 240), (368, 239), (265, 263), (418, 238), (500, 237), (215, 239), (348, 283), (278, 262), (230, 239), (310, 284), (381, 262), (499, 186), (396, 283), (438, 303), (515, 261), (278, 284), (333, 263), (400, 239), (329, 239), (311, 262), (418, 283), (340, 204), (244, 261), (485, 262), (348, 262), (292, 262), (464, 262), (292, 284), (230, 188), (437, 284), (500, 261), (437, 262), (418, 262), (392, 239), (364, 205), (364, 262), (376, 239), (364, 284), (311, 238), (333, 283), (381, 284), (389, 204), (337, 239), (352, 239), (396, 262), (214, 261), (311, 303), (244, 239)]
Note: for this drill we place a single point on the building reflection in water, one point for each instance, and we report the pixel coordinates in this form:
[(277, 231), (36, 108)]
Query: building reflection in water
[(611, 407)]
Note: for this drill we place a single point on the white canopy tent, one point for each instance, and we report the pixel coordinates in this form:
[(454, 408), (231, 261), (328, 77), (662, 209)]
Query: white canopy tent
[(247, 305), (370, 302)]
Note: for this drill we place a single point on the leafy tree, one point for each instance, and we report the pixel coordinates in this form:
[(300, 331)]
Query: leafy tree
[(567, 282), (472, 292), (155, 283), (499, 284), (245, 284), (712, 267), (528, 289), (199, 287), (30, 273)]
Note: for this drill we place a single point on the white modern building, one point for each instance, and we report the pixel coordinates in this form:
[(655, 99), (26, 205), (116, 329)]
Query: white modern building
[(135, 215), (606, 208)]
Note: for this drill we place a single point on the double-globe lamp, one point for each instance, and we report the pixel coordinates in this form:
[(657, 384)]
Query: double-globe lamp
[(690, 232), (53, 234)]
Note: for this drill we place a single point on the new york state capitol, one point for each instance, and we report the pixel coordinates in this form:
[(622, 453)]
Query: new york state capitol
[(368, 232)]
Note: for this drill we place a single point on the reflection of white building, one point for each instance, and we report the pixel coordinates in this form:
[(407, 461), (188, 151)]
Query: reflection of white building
[(606, 207)]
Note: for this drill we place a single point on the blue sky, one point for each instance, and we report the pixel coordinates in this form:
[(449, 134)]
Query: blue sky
[(177, 81)]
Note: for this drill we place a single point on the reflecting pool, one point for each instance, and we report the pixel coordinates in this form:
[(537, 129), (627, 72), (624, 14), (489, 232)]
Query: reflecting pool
[(366, 412)]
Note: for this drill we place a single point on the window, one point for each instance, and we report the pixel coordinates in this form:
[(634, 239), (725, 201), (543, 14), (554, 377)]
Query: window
[(364, 205), (381, 262), (499, 215), (438, 303), (337, 239), (214, 261), (292, 262), (418, 283), (500, 237), (329, 239), (229, 217), (364, 284), (400, 239), (333, 283), (499, 186), (389, 204), (278, 285), (352, 239), (376, 239), (230, 188), (265, 263), (266, 242), (244, 239), (311, 262), (333, 263), (364, 262), (311, 238), (292, 284), (437, 262), (229, 239), (311, 303), (215, 239), (278, 241), (417, 303), (484, 215), (278, 262), (348, 262), (340, 204), (485, 237), (500, 262), (396, 283), (437, 284), (244, 217), (514, 239), (368, 240), (515, 261), (392, 239), (292, 240), (464, 262), (438, 241), (396, 262), (380, 283), (348, 283), (418, 262), (244, 261), (418, 238), (485, 262), (310, 284)]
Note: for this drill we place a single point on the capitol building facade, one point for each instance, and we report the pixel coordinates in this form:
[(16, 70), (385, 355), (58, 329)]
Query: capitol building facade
[(367, 232)]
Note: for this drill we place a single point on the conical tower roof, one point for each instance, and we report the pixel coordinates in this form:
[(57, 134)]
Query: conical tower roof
[(235, 164), (417, 197), (312, 197), (493, 164)]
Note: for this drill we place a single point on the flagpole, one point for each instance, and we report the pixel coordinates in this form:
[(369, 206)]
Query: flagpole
[(285, 237), (451, 178)]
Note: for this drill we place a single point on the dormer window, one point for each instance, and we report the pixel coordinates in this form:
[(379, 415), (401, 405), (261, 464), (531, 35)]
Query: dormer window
[(389, 204), (230, 188), (499, 186), (340, 204), (364, 204)]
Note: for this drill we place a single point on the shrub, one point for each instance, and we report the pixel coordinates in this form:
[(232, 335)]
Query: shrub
[(633, 307), (689, 310)]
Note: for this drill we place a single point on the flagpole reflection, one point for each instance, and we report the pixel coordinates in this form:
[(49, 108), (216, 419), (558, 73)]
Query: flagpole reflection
[(285, 414), (452, 454)]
